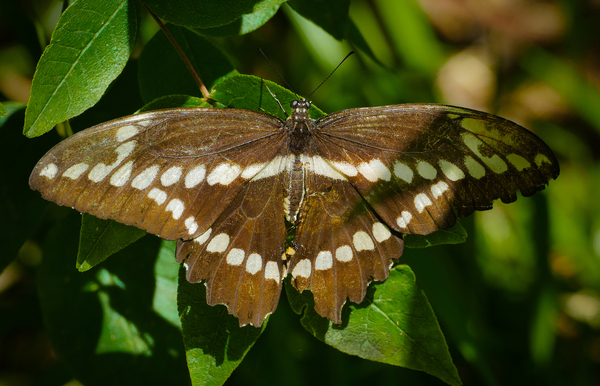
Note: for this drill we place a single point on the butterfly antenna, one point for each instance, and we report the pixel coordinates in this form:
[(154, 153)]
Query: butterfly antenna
[(274, 97), (334, 70), (277, 72)]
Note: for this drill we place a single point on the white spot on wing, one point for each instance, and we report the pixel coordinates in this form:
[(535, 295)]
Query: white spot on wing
[(75, 171), (381, 232), (101, 170), (171, 176), (475, 169), (195, 176), (439, 189), (176, 206), (235, 256), (403, 172), (157, 195), (121, 176), (422, 201), (145, 178), (374, 170), (49, 171), (252, 170), (451, 171), (362, 241), (191, 225), (323, 261), (272, 168), (343, 253), (494, 162), (319, 166), (426, 170), (302, 269), (272, 271), (518, 162), (254, 263), (203, 237), (126, 132), (540, 159), (218, 243), (404, 219), (223, 174), (345, 168)]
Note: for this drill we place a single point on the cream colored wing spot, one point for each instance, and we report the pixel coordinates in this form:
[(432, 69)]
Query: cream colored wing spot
[(438, 189), (195, 176), (224, 174), (540, 159), (381, 232), (343, 253), (101, 170), (75, 171), (374, 170), (203, 237), (176, 207), (254, 263), (362, 241), (272, 271), (302, 269), (474, 168), (421, 202), (122, 175), (426, 170), (323, 261), (404, 219), (171, 176), (495, 163), (157, 195), (518, 162), (235, 257), (403, 172), (126, 132), (191, 224), (49, 171), (219, 243), (145, 178), (451, 171)]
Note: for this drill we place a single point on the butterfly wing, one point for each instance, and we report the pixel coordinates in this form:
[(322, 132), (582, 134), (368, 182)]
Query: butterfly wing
[(169, 172), (414, 163)]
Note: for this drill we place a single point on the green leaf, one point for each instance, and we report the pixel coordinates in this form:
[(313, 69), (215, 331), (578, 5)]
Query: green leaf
[(163, 72), (89, 48), (114, 324), (207, 13), (354, 36), (3, 111), (243, 25), (332, 16), (394, 324), (215, 344), (100, 239), (455, 235), (252, 93)]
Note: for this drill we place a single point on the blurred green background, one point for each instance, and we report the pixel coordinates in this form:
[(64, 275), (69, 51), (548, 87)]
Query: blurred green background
[(520, 301)]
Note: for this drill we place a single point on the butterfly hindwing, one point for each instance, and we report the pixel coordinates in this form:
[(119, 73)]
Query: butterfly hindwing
[(341, 246), (415, 168), (169, 172), (240, 256)]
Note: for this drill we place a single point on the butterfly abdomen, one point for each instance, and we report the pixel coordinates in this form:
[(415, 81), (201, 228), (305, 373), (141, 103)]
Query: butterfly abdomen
[(293, 189)]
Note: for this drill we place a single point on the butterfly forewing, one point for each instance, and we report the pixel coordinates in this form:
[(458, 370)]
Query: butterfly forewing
[(414, 163), (170, 172)]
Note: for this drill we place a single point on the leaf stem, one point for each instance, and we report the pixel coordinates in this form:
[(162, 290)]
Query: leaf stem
[(191, 69)]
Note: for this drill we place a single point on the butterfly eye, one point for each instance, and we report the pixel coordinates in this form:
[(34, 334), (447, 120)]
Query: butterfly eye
[(294, 103)]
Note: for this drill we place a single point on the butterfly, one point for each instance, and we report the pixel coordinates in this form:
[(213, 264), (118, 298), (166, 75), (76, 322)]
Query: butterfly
[(251, 198)]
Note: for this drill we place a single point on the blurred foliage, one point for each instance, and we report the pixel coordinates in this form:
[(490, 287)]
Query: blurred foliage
[(519, 302)]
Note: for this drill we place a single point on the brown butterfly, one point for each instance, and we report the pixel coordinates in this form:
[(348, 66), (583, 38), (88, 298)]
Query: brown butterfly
[(231, 185)]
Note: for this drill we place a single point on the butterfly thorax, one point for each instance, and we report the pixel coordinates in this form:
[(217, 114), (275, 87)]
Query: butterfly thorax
[(299, 127)]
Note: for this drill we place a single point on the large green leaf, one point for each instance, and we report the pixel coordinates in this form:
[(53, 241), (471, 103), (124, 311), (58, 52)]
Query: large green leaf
[(395, 325), (100, 239), (243, 25), (455, 235), (162, 72), (117, 323), (207, 13), (89, 48), (332, 16), (215, 343), (3, 111)]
